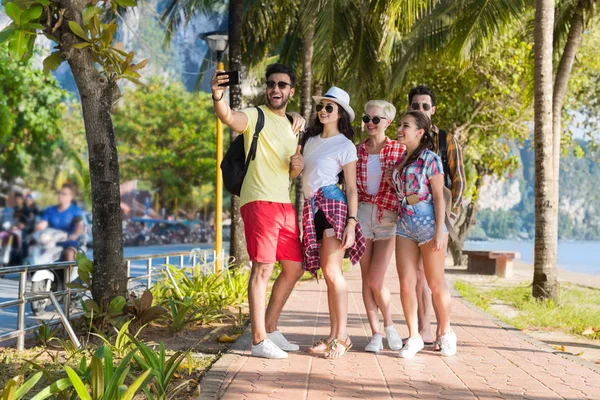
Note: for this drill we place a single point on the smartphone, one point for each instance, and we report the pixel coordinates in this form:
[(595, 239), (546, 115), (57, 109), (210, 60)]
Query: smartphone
[(234, 78)]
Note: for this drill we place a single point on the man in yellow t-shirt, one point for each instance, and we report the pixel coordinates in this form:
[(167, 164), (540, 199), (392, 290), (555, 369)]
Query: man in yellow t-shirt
[(270, 222)]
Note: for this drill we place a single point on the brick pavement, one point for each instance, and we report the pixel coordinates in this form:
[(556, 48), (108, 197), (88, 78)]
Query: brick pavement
[(494, 361)]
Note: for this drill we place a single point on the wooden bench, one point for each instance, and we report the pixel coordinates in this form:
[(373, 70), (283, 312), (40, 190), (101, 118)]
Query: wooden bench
[(499, 263)]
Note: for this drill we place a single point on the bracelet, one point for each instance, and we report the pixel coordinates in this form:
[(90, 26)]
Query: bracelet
[(349, 218), (219, 99)]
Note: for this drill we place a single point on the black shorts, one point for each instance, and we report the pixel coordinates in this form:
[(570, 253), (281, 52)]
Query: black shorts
[(321, 224)]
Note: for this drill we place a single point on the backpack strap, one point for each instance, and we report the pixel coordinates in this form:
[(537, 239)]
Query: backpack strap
[(260, 123), (443, 150)]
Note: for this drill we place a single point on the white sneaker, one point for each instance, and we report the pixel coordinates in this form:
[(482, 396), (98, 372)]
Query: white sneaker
[(281, 342), (376, 344), (412, 347), (448, 343), (393, 338), (267, 349)]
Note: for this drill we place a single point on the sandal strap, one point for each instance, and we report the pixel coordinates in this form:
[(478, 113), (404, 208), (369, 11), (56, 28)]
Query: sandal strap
[(347, 344)]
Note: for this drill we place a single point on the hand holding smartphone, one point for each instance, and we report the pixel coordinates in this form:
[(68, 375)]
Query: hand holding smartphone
[(233, 76)]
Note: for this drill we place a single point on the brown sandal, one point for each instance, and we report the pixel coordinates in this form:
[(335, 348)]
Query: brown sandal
[(347, 345), (319, 343)]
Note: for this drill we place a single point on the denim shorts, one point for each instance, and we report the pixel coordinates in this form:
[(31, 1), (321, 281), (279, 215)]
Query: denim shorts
[(372, 228), (419, 227)]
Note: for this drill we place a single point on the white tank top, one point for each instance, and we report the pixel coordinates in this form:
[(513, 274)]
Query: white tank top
[(373, 173)]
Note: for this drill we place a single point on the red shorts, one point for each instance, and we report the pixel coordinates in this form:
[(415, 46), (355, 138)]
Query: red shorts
[(272, 232)]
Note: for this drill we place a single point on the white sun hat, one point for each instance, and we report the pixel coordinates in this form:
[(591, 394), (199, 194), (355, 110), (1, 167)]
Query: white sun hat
[(338, 96)]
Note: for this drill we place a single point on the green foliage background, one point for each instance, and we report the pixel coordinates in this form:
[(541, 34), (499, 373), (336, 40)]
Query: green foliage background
[(166, 136)]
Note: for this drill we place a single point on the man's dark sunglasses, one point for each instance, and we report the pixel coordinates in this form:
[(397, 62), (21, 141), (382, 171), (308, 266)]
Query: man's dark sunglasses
[(376, 120), (328, 108), (281, 84), (416, 106)]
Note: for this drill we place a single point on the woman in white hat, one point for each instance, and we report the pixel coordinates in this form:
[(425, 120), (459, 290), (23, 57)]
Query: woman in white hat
[(329, 216)]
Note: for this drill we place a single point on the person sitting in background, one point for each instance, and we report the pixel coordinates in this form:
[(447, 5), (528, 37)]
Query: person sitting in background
[(66, 217)]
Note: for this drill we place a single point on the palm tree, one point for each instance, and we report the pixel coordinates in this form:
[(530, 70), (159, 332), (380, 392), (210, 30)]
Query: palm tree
[(544, 275), (469, 33)]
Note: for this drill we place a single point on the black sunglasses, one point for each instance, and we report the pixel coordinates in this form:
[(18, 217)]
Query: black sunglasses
[(281, 84), (375, 119), (328, 108), (416, 106)]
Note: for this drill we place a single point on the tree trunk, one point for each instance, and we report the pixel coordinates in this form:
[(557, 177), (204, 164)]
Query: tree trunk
[(305, 105), (546, 222), (465, 222), (561, 82), (110, 272), (237, 241)]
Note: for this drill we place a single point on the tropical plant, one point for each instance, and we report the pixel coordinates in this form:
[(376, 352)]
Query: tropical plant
[(101, 317), (123, 344), (163, 369), (182, 313), (45, 333), (17, 387), (142, 310), (100, 380)]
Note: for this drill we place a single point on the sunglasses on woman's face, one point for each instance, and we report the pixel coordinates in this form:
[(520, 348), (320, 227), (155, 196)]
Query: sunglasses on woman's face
[(281, 84), (376, 120), (416, 106), (328, 108)]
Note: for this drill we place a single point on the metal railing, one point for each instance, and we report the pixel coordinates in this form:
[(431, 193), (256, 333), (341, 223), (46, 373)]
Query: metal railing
[(153, 269)]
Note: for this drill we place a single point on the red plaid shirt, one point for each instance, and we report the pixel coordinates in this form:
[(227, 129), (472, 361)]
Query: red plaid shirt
[(336, 213), (390, 156)]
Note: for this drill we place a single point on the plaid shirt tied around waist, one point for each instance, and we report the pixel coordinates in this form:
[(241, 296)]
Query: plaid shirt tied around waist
[(390, 156), (336, 213)]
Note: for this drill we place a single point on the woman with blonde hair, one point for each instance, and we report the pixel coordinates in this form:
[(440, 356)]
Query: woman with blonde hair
[(377, 214)]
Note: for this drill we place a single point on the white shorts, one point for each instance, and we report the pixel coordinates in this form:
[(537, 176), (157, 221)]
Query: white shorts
[(372, 228)]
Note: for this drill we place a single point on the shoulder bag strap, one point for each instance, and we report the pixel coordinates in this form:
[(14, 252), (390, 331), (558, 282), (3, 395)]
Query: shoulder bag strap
[(260, 123)]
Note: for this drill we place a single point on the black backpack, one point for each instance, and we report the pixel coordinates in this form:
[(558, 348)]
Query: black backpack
[(235, 163), (442, 135)]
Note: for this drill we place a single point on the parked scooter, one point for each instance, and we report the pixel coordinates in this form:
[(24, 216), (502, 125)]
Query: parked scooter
[(43, 250)]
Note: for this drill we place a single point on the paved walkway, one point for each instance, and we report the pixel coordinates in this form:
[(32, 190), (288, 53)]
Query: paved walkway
[(493, 361)]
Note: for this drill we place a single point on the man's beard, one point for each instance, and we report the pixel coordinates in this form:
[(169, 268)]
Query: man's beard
[(283, 104)]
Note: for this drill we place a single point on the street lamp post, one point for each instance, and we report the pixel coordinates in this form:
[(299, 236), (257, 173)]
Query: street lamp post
[(217, 42)]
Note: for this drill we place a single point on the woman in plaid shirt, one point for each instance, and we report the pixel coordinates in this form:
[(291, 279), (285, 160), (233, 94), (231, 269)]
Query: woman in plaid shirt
[(329, 215), (378, 214), (419, 184)]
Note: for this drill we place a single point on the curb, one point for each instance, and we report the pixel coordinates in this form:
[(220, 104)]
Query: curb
[(535, 342), (212, 382)]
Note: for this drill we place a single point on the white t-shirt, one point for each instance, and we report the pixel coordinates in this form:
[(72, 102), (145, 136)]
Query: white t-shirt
[(323, 161), (373, 173)]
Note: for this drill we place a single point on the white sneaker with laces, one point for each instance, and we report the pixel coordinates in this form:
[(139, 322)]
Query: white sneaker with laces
[(412, 347), (448, 343), (393, 338), (281, 342), (267, 349), (376, 344)]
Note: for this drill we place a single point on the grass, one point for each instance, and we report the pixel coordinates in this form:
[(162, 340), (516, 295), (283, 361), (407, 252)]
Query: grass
[(577, 310)]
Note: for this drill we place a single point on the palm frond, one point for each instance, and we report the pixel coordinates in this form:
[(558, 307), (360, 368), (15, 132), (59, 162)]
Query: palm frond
[(477, 22), (178, 13)]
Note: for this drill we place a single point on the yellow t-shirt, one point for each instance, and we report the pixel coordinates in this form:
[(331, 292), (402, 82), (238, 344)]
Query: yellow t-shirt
[(267, 177)]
